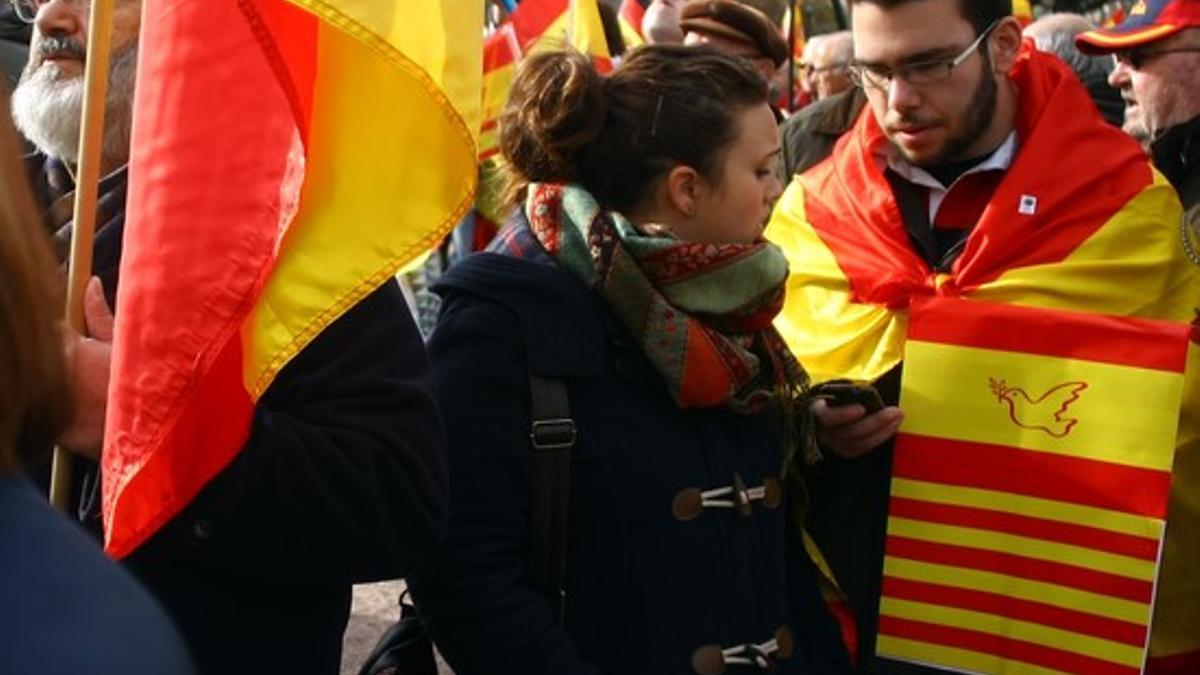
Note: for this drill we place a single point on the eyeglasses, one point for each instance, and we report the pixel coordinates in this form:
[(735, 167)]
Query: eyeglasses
[(919, 73), (1136, 58), (26, 10)]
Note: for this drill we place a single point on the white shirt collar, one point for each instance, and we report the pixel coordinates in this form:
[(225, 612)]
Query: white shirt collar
[(1000, 160)]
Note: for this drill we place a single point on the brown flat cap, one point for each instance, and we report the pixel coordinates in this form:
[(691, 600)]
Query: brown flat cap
[(735, 21)]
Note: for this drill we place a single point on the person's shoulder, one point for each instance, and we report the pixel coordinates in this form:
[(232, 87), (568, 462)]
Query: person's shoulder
[(60, 590)]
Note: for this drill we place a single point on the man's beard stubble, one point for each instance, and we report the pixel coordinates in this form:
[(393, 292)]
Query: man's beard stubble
[(48, 107), (977, 118)]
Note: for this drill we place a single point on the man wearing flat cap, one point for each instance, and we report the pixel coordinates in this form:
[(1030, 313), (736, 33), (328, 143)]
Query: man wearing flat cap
[(735, 28), (1157, 57)]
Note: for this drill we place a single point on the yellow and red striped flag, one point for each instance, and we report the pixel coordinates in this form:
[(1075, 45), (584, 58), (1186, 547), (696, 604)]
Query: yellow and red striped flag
[(630, 17), (501, 54), (288, 157), (1028, 505), (1023, 11), (1103, 236), (543, 25)]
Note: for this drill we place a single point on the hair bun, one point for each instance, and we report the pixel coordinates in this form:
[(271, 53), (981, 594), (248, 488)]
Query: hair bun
[(556, 108)]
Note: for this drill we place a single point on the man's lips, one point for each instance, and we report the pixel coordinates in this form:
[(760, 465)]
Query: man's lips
[(913, 132)]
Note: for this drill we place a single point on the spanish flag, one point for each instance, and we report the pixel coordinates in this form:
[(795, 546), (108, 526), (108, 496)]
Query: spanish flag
[(288, 157), (543, 25), (1028, 496), (1023, 11), (1080, 222), (630, 16)]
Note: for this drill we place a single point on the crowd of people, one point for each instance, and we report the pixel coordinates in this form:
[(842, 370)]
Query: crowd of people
[(611, 455)]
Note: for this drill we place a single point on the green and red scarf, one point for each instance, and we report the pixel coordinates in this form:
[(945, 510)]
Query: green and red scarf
[(701, 312)]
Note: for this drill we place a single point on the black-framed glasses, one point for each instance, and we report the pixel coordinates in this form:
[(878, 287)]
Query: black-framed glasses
[(26, 10), (1136, 58), (918, 73)]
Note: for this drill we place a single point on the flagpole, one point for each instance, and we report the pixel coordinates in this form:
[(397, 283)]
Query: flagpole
[(87, 180)]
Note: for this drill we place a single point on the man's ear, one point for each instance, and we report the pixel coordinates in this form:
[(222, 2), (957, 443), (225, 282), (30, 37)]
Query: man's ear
[(683, 189), (1005, 44)]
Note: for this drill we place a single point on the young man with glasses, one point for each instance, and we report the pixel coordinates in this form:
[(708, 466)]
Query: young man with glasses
[(1156, 52), (980, 170)]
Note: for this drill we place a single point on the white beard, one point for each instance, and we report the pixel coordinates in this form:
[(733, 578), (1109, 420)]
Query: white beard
[(47, 107)]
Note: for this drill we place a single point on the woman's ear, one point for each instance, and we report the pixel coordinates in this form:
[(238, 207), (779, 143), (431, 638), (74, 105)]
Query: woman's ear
[(1005, 43), (683, 185)]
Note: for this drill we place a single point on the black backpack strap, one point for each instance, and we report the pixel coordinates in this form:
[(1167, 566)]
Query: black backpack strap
[(552, 433)]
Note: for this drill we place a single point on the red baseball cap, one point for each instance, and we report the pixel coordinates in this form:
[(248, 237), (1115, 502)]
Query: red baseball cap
[(1148, 21)]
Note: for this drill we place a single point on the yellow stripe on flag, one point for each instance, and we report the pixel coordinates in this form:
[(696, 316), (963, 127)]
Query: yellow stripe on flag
[(1035, 591), (1006, 502), (926, 653), (1105, 431), (816, 296), (384, 181), (1145, 283), (1038, 549), (1013, 629)]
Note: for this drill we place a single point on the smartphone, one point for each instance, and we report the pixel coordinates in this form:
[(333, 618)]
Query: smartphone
[(840, 393)]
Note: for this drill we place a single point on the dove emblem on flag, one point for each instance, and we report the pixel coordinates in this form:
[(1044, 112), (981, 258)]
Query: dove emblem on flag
[(1047, 412)]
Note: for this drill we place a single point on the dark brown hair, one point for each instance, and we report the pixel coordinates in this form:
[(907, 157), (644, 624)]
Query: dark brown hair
[(34, 399), (617, 136), (979, 13)]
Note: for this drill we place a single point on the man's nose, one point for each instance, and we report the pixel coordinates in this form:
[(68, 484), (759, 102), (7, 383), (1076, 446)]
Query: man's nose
[(1119, 77), (901, 95), (62, 17)]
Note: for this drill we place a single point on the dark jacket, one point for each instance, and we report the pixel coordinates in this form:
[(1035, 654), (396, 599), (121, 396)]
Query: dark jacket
[(1177, 155), (67, 609), (645, 589), (342, 480), (809, 136)]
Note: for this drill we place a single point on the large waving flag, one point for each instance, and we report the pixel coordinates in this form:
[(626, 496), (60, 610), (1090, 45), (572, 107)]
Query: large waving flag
[(1080, 222), (1028, 502), (288, 157)]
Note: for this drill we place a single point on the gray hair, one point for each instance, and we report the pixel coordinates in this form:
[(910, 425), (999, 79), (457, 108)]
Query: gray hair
[(1055, 34)]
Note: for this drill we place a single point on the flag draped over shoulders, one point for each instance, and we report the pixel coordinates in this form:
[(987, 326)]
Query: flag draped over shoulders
[(1080, 222), (288, 156), (1103, 237)]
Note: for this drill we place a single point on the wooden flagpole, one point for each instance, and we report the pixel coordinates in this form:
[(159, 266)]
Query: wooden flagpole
[(87, 185)]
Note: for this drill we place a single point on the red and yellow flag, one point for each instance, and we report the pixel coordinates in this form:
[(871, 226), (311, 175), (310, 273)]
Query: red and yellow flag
[(1028, 500), (543, 25), (1023, 11), (630, 16), (288, 156), (1080, 222)]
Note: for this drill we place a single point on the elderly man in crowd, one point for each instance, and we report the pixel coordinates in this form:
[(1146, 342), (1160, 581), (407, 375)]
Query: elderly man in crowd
[(1157, 55), (343, 477)]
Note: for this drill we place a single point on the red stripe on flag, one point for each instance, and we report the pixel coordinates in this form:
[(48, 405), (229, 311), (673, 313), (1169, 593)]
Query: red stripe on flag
[(1021, 567), (1126, 341), (633, 12), (1045, 475), (533, 17), (1094, 538), (488, 125), (1124, 632), (1016, 650)]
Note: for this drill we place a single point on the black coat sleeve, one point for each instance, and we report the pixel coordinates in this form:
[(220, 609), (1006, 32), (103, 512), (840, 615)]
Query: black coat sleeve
[(343, 478), (475, 597)]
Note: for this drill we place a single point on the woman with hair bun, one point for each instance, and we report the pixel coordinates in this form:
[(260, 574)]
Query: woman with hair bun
[(633, 272)]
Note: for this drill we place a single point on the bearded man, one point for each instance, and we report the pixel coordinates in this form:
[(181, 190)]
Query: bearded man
[(980, 170), (343, 477)]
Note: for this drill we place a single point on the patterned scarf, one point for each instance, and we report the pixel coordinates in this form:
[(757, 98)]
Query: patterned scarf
[(701, 312)]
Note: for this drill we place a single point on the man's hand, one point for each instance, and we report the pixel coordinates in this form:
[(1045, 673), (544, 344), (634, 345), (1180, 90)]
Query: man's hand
[(89, 360), (849, 432)]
